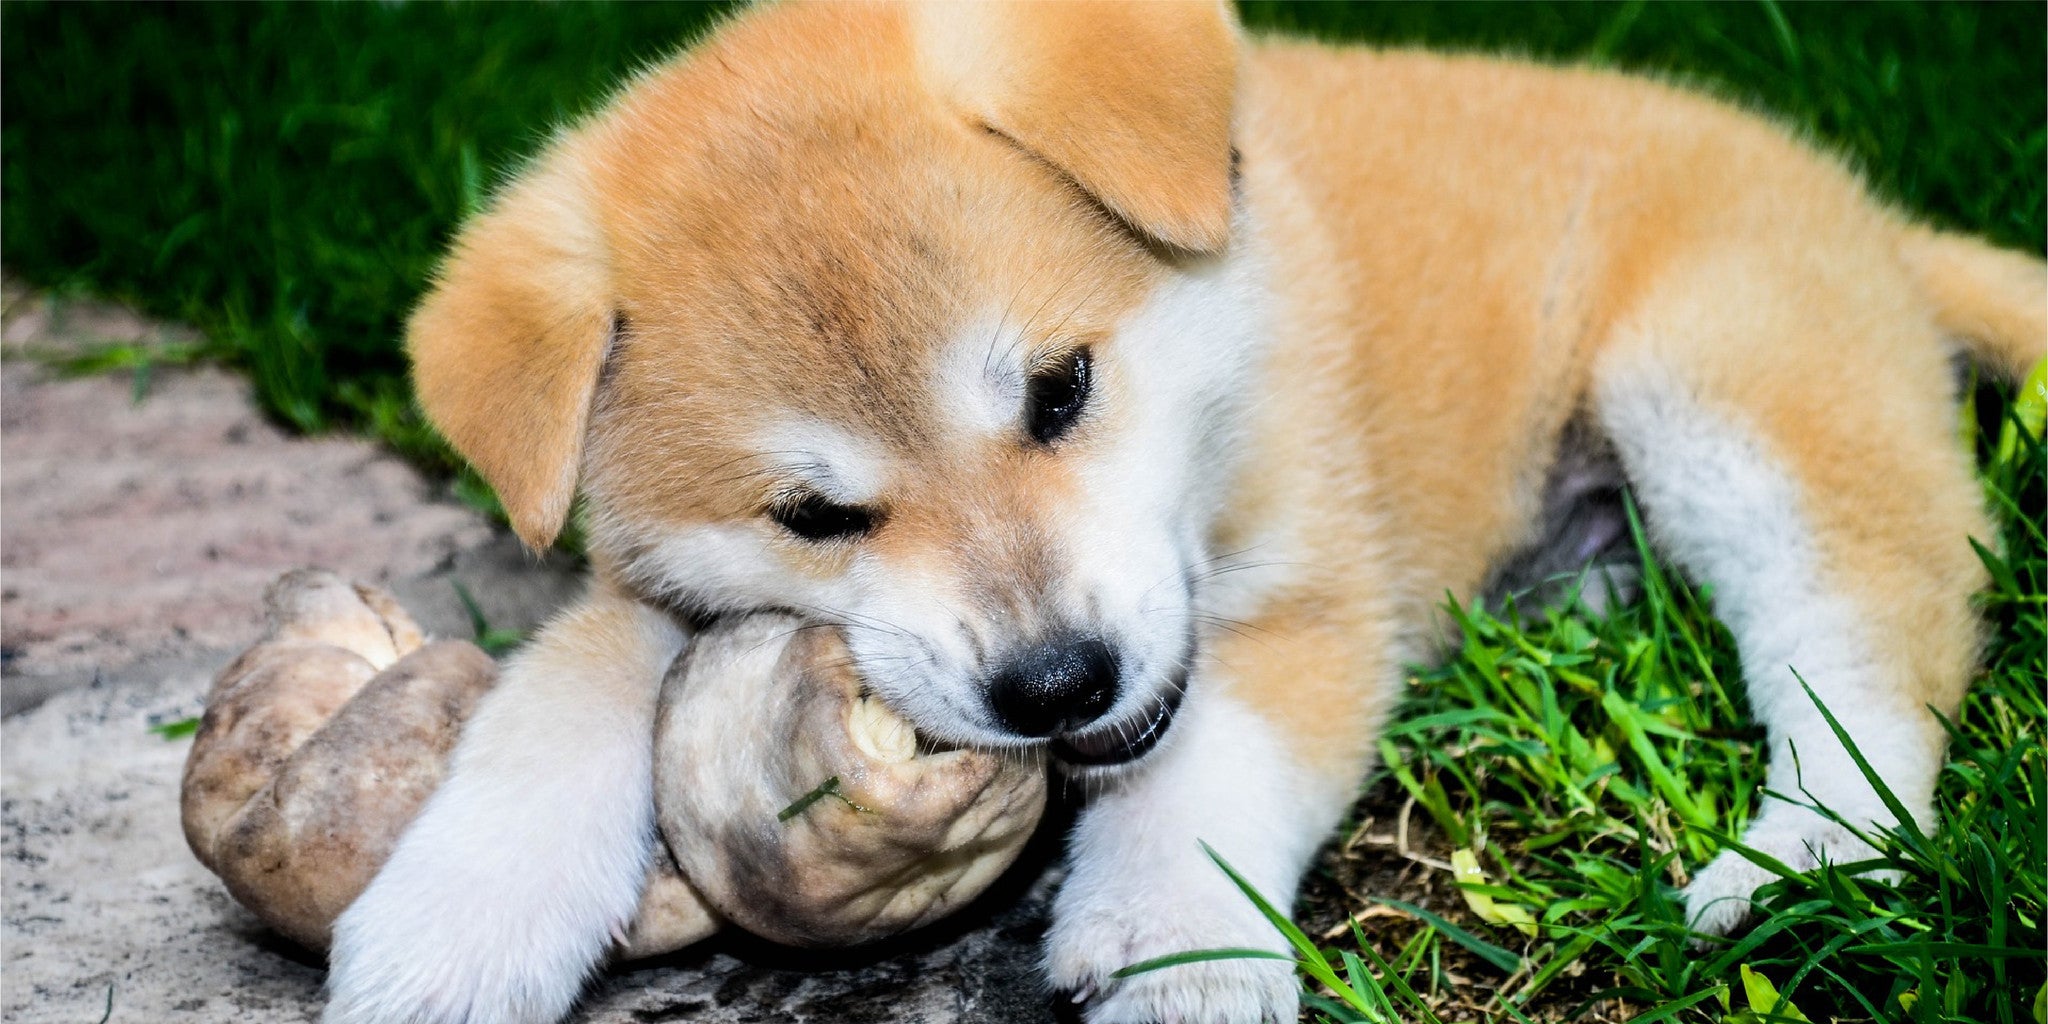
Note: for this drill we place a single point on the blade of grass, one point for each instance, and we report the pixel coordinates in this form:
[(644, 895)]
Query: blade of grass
[(1504, 959)]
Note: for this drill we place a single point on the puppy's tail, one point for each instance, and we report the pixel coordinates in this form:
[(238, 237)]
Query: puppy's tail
[(1994, 300)]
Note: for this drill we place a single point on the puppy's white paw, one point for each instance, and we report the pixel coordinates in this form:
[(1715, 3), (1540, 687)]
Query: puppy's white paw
[(433, 943), (499, 901), (1720, 897), (525, 866), (1091, 939)]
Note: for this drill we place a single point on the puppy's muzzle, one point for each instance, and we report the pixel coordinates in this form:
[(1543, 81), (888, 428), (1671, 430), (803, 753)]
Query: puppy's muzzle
[(1126, 739), (1062, 689)]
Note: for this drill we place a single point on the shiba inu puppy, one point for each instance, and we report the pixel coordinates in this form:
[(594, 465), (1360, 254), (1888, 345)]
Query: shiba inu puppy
[(1036, 344)]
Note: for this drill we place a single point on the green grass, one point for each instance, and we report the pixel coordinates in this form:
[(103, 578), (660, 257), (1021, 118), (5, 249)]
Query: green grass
[(282, 177)]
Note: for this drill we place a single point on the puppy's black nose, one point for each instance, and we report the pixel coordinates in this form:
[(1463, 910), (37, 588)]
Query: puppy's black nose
[(1054, 687)]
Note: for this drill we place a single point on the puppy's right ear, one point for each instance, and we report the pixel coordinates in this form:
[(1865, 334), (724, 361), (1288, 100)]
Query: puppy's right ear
[(507, 347)]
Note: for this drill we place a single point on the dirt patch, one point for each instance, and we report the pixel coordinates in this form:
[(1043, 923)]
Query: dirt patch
[(1393, 850)]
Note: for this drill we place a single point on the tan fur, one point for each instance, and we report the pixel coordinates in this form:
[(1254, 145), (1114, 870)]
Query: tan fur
[(1988, 297), (1468, 241), (793, 220)]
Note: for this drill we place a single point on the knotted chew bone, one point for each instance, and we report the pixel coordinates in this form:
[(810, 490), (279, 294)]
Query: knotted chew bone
[(895, 837), (321, 743)]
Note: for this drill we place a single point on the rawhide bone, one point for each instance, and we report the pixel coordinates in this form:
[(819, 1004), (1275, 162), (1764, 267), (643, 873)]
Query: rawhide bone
[(796, 806)]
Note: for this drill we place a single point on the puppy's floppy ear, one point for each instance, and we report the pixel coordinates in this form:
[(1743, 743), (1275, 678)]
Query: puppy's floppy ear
[(507, 347), (1132, 100)]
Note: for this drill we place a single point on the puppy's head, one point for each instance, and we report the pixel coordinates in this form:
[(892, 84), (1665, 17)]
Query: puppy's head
[(916, 320)]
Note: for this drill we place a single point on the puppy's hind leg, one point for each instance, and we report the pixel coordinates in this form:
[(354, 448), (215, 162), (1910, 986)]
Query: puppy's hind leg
[(1815, 484), (527, 863)]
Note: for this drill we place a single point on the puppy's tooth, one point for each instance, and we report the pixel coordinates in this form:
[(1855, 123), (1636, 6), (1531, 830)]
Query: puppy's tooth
[(879, 733)]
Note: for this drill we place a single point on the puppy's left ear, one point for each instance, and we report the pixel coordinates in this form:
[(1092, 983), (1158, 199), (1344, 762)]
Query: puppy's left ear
[(1132, 100)]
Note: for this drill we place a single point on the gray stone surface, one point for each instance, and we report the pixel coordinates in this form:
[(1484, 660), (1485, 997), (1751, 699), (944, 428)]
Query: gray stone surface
[(140, 526), (135, 543)]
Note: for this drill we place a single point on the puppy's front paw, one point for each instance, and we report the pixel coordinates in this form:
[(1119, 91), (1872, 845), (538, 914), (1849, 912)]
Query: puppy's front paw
[(1720, 897), (461, 949), (1093, 937), (496, 904)]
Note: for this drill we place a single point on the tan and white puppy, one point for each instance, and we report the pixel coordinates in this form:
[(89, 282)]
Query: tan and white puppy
[(1129, 387)]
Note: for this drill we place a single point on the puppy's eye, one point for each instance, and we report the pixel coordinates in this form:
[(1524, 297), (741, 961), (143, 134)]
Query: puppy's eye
[(1056, 394), (813, 517)]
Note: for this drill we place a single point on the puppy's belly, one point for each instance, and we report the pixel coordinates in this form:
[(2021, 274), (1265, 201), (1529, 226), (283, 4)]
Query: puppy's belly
[(1579, 542)]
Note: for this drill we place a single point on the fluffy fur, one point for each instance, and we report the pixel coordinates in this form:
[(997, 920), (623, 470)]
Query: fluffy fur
[(1345, 307)]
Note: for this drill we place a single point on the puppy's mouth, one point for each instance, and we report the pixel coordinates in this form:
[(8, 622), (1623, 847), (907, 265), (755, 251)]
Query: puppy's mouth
[(1124, 740)]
